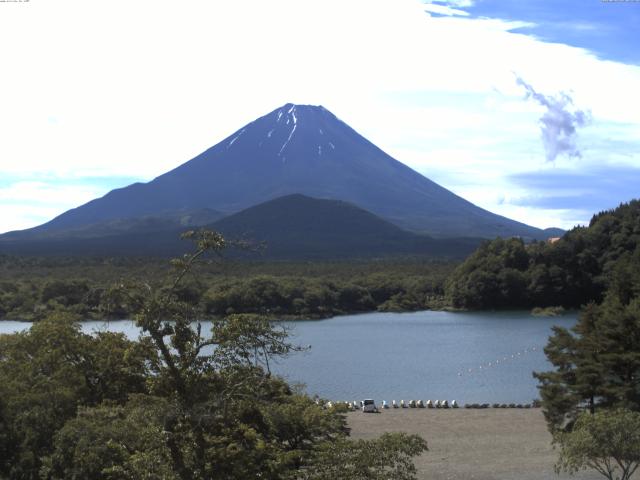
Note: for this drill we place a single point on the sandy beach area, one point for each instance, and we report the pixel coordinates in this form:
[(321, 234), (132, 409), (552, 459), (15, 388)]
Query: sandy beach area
[(465, 444)]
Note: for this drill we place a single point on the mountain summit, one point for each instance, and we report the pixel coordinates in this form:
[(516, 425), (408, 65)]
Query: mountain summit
[(299, 149)]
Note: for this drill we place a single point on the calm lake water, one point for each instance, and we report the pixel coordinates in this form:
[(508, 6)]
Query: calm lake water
[(470, 357)]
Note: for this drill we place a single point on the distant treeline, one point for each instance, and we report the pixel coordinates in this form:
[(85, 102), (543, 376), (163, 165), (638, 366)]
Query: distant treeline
[(31, 288), (571, 272)]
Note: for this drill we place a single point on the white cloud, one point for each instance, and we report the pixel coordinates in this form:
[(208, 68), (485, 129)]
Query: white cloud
[(44, 193), (108, 88), (21, 216), (28, 203)]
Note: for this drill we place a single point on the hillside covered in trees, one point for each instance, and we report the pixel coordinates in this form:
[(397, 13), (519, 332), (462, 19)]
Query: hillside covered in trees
[(571, 272)]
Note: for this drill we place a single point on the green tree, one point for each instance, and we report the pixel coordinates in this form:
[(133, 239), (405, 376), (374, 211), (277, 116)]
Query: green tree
[(6, 440), (64, 292), (219, 390), (389, 457), (494, 276), (112, 442), (597, 364), (48, 371), (607, 441)]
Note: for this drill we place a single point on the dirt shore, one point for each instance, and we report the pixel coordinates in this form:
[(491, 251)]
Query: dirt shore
[(464, 444)]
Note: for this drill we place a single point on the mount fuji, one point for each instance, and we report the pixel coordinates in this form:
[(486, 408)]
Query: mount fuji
[(295, 149)]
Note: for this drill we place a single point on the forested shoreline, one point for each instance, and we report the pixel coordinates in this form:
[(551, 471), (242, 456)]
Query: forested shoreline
[(573, 271), (32, 287)]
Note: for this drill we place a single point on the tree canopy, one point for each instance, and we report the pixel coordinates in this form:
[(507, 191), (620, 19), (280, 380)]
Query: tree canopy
[(571, 272), (607, 441)]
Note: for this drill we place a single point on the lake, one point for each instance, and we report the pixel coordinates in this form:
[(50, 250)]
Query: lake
[(472, 357)]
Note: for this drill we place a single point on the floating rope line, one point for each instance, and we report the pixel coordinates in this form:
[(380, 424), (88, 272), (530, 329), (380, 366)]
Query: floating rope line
[(505, 359)]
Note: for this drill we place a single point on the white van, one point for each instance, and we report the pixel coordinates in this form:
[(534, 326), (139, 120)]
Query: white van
[(369, 405)]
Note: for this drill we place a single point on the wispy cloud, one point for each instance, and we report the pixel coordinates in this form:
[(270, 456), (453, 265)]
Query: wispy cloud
[(453, 3), (559, 123), (604, 28), (447, 7), (596, 189)]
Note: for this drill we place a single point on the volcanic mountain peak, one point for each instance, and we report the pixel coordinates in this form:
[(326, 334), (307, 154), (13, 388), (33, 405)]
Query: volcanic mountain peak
[(290, 131), (300, 149)]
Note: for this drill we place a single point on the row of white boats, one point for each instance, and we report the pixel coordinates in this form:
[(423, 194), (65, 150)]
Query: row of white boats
[(421, 404), (369, 405)]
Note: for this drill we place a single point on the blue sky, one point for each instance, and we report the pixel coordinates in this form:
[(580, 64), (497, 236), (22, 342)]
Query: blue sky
[(607, 28), (529, 109)]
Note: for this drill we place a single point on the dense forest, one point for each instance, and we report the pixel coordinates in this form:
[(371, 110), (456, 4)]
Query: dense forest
[(33, 287), (571, 272)]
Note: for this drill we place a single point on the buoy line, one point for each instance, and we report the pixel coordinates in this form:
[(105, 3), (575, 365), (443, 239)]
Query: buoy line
[(503, 360)]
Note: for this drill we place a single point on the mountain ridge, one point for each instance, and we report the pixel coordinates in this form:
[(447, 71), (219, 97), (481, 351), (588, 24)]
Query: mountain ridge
[(289, 227)]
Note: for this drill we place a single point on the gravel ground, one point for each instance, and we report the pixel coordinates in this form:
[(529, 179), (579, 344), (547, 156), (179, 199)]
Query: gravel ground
[(465, 444)]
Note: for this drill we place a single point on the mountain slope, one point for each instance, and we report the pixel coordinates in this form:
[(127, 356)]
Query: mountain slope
[(296, 226), (144, 225), (298, 149), (290, 227)]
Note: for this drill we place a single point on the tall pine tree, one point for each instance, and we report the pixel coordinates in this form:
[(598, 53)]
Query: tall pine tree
[(597, 362)]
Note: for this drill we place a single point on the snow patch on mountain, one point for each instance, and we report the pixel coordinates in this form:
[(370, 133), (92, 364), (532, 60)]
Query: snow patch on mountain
[(235, 138), (292, 111)]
